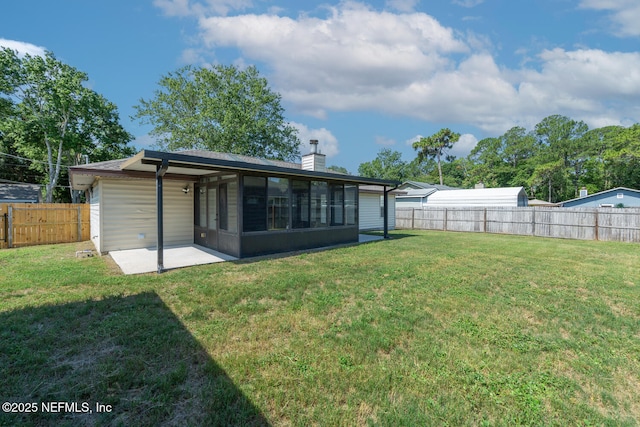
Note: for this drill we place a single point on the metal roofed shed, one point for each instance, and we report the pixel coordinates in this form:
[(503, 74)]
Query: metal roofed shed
[(414, 198), (485, 197)]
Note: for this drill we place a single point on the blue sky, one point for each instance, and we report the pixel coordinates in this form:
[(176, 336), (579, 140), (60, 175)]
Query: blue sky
[(361, 75)]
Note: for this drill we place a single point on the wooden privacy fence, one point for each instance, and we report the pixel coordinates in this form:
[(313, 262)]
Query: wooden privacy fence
[(611, 224), (28, 224)]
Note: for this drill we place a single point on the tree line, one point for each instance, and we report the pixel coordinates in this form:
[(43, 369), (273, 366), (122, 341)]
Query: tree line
[(553, 161), (49, 120)]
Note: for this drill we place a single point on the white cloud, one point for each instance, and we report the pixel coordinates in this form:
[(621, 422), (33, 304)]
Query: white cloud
[(465, 144), (384, 141), (407, 64), (402, 5), (410, 142), (344, 61), (194, 8), (468, 3), (23, 48), (327, 142), (625, 15)]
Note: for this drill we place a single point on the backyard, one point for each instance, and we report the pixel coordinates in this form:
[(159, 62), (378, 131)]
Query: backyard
[(427, 328)]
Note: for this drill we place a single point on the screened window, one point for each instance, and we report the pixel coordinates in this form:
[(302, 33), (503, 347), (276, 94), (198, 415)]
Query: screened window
[(337, 204), (319, 204), (232, 206), (228, 212), (278, 203), (351, 204), (254, 203), (211, 208), (201, 216), (301, 204)]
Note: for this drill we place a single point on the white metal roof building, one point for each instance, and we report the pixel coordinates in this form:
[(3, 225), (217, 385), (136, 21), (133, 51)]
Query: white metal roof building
[(414, 198), (505, 196)]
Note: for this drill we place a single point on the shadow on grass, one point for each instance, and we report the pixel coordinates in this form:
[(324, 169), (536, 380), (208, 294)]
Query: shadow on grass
[(130, 354)]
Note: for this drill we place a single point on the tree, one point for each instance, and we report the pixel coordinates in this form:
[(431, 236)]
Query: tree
[(52, 117), (435, 146), (561, 138), (220, 108), (622, 158), (388, 164), (339, 169)]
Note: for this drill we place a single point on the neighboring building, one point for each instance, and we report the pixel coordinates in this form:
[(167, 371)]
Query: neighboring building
[(414, 198), (616, 197), (535, 203), (416, 185), (371, 207), (20, 193), (238, 205), (486, 197), (416, 193)]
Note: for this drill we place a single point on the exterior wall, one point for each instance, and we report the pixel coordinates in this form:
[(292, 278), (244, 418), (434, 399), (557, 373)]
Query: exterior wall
[(128, 214), (628, 199), (487, 197), (369, 210), (269, 242), (409, 202), (94, 213)]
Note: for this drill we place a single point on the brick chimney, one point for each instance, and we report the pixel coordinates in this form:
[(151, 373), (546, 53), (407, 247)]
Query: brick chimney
[(314, 161)]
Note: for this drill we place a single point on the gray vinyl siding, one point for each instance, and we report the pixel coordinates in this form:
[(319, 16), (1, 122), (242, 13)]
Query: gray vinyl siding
[(369, 208), (129, 214), (94, 214)]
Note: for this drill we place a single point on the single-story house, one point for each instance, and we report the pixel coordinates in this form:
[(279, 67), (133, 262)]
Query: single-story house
[(536, 203), (371, 207), (238, 205), (485, 197), (414, 197), (615, 197), (20, 193), (417, 185), (416, 193)]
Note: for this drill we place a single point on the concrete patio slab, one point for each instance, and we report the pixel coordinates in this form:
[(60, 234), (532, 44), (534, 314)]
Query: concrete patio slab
[(137, 261), (364, 238)]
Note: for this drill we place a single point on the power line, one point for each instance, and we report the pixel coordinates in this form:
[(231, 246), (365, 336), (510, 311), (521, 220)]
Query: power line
[(30, 160)]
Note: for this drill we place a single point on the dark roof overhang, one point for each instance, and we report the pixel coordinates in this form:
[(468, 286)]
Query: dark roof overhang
[(190, 167)]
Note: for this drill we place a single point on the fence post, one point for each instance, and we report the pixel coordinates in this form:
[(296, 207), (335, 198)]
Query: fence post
[(597, 225), (444, 222), (413, 218), (79, 225), (533, 221), (484, 224), (10, 227)]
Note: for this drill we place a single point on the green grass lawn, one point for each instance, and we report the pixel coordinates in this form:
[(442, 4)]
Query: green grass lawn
[(427, 328)]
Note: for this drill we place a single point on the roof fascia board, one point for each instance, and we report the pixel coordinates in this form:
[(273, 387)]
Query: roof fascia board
[(182, 160)]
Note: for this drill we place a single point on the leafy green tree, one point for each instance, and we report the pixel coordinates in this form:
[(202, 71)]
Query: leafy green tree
[(622, 158), (339, 169), (435, 146), (388, 164), (220, 108), (561, 138), (53, 118)]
